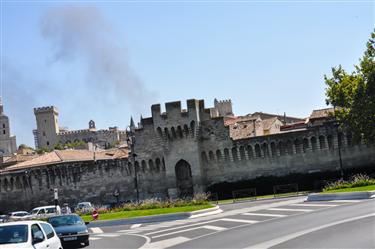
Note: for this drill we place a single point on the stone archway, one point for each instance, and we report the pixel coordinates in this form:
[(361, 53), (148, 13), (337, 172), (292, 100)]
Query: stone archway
[(184, 179)]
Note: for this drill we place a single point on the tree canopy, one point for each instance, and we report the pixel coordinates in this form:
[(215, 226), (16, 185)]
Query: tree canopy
[(354, 95)]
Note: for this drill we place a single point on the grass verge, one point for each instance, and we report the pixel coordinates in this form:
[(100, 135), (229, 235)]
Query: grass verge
[(146, 212), (356, 189)]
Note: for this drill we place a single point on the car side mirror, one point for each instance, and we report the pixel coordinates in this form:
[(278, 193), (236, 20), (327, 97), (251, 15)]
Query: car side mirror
[(87, 222)]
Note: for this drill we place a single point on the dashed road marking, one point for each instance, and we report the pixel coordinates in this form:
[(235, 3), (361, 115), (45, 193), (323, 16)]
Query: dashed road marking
[(312, 205), (166, 243), (94, 238), (290, 209), (266, 215), (214, 228), (240, 221), (109, 235), (135, 226), (96, 230), (345, 201), (186, 230)]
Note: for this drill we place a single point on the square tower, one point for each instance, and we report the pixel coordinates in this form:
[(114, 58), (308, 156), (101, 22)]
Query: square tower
[(47, 127)]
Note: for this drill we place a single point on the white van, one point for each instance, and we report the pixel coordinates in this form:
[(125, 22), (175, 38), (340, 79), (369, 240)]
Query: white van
[(45, 211)]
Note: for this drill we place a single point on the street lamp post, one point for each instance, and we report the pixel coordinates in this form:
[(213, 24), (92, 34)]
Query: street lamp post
[(336, 124), (131, 144)]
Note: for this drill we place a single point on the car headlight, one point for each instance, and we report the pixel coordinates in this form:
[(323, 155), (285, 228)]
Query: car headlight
[(82, 232)]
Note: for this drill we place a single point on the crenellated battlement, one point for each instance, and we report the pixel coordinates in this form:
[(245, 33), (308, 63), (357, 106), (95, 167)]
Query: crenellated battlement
[(46, 109)]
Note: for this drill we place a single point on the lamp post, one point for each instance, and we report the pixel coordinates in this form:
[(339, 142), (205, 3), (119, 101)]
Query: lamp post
[(131, 144), (336, 124)]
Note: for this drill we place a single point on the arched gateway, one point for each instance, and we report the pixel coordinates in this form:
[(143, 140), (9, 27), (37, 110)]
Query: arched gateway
[(184, 179)]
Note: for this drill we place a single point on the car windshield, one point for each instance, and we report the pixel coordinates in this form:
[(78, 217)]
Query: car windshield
[(13, 234), (65, 220), (34, 211)]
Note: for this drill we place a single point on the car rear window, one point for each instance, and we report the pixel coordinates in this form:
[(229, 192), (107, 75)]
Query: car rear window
[(13, 234)]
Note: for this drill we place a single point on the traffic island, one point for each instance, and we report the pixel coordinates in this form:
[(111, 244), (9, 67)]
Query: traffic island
[(341, 196), (153, 215)]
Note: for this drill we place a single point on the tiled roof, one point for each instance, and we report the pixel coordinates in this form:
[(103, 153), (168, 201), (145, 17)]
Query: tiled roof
[(59, 156), (321, 113)]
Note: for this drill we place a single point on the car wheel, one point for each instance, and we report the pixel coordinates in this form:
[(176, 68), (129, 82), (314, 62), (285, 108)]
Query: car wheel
[(87, 243)]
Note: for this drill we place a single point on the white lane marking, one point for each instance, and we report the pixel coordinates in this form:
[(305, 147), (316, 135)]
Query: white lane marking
[(339, 201), (240, 221), (218, 211), (313, 205), (290, 209), (216, 228), (266, 215), (109, 235), (277, 241), (174, 228), (184, 230), (94, 238), (96, 230), (135, 226), (165, 243)]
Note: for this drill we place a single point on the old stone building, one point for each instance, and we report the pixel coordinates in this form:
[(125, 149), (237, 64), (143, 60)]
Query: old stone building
[(48, 133), (8, 144), (181, 152)]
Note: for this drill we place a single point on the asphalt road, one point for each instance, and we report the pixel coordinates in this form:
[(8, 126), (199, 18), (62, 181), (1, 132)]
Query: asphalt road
[(287, 223)]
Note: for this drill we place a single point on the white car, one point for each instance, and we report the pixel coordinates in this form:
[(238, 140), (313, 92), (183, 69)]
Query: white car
[(28, 234), (19, 215), (45, 211)]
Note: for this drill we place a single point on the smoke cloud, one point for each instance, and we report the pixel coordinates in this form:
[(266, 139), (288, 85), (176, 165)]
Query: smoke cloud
[(83, 34)]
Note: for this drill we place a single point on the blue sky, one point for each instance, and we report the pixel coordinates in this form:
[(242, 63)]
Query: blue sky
[(109, 60)]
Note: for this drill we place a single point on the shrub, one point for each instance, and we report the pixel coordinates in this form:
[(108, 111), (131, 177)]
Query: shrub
[(358, 180)]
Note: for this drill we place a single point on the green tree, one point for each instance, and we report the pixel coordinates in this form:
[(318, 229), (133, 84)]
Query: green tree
[(354, 95)]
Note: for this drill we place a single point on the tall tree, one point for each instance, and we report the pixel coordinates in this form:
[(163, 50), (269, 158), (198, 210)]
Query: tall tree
[(354, 95)]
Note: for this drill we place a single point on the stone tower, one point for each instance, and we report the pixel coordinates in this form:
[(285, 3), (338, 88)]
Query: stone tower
[(7, 142), (222, 108), (47, 127)]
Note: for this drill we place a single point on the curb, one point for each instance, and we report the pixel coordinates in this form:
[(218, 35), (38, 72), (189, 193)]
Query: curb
[(158, 218), (341, 196)]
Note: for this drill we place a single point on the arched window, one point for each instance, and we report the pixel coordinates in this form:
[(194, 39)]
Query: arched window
[(297, 145), (157, 162), (322, 142), (151, 165), (179, 132), (218, 155), (314, 144), (159, 131), (305, 145), (258, 153), (242, 153), (234, 154), (273, 149), (289, 147), (186, 130), (137, 166), (330, 142), (282, 149), (265, 149), (211, 155), (192, 128), (144, 166), (166, 132), (226, 154), (249, 150), (173, 131), (204, 157)]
